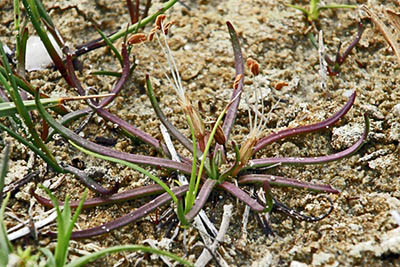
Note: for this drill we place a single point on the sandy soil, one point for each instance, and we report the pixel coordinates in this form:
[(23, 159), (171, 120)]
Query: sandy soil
[(360, 231)]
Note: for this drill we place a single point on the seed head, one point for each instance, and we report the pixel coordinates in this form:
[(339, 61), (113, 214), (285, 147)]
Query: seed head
[(195, 118), (166, 27), (219, 135), (137, 38), (247, 149), (256, 127), (280, 85), (159, 25), (175, 79), (253, 66), (152, 33), (159, 21)]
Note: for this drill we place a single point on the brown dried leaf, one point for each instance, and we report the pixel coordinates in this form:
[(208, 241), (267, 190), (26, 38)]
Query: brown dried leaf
[(386, 32), (394, 18), (238, 78)]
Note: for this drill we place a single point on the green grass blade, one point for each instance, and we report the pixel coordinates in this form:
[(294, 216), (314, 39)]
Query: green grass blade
[(9, 108), (22, 111), (190, 195), (61, 246), (26, 86), (34, 15), (208, 145), (5, 244), (305, 11), (15, 121), (314, 8), (112, 47), (130, 165), (65, 226), (171, 128), (70, 117), (82, 261), (4, 169), (43, 13), (51, 262), (20, 82), (310, 36), (142, 22), (17, 15), (76, 214), (37, 151), (22, 39), (106, 73), (329, 6)]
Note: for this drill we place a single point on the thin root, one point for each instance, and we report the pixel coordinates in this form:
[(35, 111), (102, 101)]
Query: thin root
[(278, 206)]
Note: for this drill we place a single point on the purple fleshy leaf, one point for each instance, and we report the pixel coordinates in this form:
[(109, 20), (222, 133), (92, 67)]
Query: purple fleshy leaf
[(89, 182), (171, 128), (132, 130), (283, 181), (119, 85), (307, 128), (241, 195), (239, 68), (255, 163), (236, 94), (201, 198), (138, 159), (117, 88), (128, 218), (346, 53), (142, 191)]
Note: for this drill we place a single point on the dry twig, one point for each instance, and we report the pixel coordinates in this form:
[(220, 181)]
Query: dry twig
[(206, 255)]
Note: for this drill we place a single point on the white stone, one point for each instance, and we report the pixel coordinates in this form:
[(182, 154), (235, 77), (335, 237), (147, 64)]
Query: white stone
[(36, 57), (321, 259), (297, 264)]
